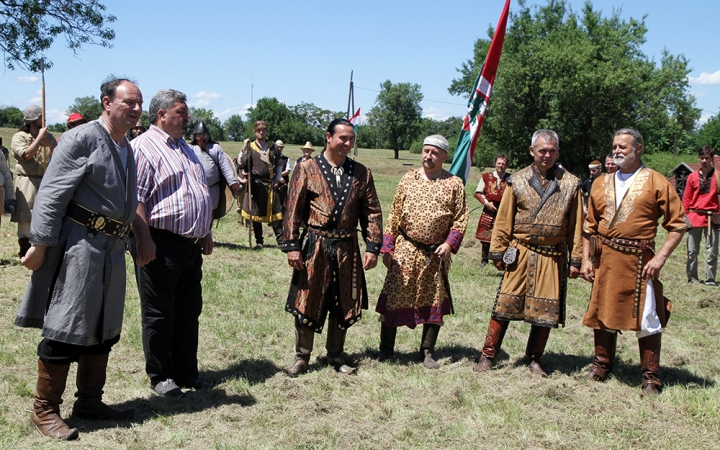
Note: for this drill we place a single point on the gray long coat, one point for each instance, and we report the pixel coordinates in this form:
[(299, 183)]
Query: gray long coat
[(78, 294)]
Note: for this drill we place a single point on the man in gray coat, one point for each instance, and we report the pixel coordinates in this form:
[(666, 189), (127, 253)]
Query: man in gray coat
[(76, 293)]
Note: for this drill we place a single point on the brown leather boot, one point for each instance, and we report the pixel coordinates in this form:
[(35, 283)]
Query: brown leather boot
[(493, 342), (427, 347), (24, 244), (304, 341), (334, 346), (387, 342), (46, 410), (91, 375), (650, 364), (605, 345), (535, 347)]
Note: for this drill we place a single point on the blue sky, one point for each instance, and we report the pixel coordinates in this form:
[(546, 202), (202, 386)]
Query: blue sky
[(304, 51)]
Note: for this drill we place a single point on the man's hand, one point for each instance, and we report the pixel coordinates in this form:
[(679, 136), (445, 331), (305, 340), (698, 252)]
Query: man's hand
[(34, 258), (295, 260), (573, 272), (10, 206), (499, 264), (245, 146), (652, 269), (144, 250), (207, 244), (443, 251), (587, 271), (387, 259), (370, 260), (490, 207)]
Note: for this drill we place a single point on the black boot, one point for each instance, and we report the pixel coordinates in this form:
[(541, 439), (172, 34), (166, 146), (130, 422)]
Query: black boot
[(650, 364), (304, 340), (387, 342), (335, 345), (536, 347), (91, 375), (493, 341), (427, 348), (605, 345)]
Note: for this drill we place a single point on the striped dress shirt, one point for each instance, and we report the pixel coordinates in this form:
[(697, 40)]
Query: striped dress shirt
[(171, 184)]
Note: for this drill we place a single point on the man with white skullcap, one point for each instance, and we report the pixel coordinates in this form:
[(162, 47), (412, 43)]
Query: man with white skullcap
[(426, 224)]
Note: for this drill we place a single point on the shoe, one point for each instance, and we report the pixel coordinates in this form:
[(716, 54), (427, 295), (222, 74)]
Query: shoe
[(483, 264), (693, 280), (168, 388), (258, 247), (709, 283), (197, 384)]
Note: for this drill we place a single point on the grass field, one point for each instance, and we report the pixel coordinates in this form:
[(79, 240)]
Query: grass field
[(246, 338)]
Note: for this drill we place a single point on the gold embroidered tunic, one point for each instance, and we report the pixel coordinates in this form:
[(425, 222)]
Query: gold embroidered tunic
[(542, 218), (625, 236)]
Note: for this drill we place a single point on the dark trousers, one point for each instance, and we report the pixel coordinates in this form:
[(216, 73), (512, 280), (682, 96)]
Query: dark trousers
[(60, 353), (277, 230), (171, 303)]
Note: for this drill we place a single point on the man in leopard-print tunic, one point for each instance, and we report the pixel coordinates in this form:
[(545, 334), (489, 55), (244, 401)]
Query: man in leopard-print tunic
[(426, 224), (538, 225)]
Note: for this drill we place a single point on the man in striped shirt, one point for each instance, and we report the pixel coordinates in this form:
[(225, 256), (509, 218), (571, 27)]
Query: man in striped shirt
[(172, 231)]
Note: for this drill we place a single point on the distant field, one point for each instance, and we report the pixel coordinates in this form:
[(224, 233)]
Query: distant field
[(246, 338)]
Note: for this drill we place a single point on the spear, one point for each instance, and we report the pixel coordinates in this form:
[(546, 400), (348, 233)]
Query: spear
[(43, 149)]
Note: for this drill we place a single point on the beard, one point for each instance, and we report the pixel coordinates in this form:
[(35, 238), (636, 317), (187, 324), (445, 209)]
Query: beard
[(623, 161)]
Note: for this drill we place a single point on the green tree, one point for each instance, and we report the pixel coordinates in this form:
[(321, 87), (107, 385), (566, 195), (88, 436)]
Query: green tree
[(367, 137), (282, 122), (234, 128), (208, 116), (315, 121), (397, 115), (89, 107), (29, 27), (709, 134), (11, 117), (584, 76)]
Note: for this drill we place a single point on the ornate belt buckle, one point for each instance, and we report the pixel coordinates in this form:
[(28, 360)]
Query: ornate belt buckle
[(98, 223), (510, 256)]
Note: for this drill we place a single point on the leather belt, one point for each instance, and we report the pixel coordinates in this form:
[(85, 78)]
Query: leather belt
[(345, 233), (547, 251), (628, 245), (427, 248), (30, 176), (96, 221)]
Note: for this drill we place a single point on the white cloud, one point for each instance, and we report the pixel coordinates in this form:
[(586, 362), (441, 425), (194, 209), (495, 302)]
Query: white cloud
[(35, 100), (435, 113), (206, 95), (55, 116), (698, 93), (30, 79), (706, 78), (241, 110), (202, 103), (704, 118)]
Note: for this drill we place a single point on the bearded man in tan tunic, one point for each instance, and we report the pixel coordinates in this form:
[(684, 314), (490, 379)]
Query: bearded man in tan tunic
[(538, 225), (619, 257)]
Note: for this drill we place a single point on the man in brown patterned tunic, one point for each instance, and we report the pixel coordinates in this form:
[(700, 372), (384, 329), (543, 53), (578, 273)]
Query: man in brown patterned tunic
[(426, 224), (619, 257), (538, 225), (330, 193)]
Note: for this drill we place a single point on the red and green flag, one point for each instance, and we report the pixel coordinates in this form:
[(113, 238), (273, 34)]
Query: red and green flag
[(477, 105)]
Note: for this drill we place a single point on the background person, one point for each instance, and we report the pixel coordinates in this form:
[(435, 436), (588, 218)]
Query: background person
[(700, 201), (32, 148), (489, 192)]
